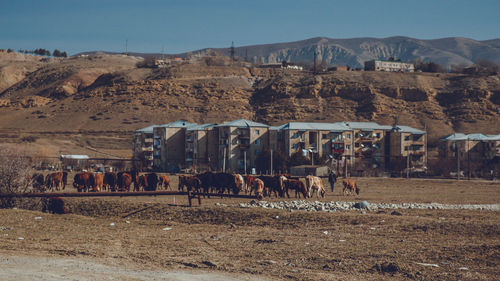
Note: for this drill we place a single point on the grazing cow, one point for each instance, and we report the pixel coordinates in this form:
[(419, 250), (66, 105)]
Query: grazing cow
[(98, 181), (315, 184), (110, 181), (258, 188), (124, 180), (272, 184), (249, 182), (206, 181), (151, 182), (296, 185), (239, 182), (64, 179), (38, 182), (164, 182), (224, 182), (54, 180), (350, 186), (192, 183), (135, 178), (83, 181), (142, 182)]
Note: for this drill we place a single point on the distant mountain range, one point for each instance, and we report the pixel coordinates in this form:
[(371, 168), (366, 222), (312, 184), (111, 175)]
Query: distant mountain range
[(354, 52)]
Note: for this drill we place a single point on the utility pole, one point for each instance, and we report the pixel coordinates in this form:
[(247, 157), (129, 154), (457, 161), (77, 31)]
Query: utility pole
[(345, 164), (314, 63), (224, 161), (468, 159), (458, 161), (245, 161), (126, 47), (408, 164), (271, 162), (231, 50)]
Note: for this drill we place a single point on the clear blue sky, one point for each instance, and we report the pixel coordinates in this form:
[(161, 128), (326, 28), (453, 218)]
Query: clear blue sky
[(186, 25)]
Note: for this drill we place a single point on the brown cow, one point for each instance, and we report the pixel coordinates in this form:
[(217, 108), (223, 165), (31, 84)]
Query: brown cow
[(249, 183), (296, 185), (110, 181), (142, 183), (164, 182), (191, 183), (350, 186), (98, 181), (239, 182), (124, 180), (83, 181), (54, 180), (258, 188)]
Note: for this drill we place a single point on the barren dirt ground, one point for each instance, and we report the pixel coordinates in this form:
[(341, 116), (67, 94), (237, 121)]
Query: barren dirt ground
[(160, 238)]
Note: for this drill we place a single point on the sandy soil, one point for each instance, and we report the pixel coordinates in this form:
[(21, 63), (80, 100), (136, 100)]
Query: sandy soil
[(147, 236)]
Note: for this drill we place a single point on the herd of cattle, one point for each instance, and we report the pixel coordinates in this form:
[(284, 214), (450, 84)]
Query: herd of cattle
[(260, 186)]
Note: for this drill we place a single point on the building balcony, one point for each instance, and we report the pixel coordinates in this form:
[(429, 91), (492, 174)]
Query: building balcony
[(147, 148)]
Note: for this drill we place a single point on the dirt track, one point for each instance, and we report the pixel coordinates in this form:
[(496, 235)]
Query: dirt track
[(274, 244)]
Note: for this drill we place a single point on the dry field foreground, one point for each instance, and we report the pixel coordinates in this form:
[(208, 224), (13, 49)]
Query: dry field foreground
[(161, 234)]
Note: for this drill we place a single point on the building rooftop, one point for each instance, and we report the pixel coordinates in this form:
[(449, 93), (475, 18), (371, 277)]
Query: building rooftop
[(147, 130), (474, 137), (202, 127), (178, 124), (366, 126), (242, 123), (407, 129), (333, 127)]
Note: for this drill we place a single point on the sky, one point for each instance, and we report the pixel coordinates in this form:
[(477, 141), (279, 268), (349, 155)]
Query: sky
[(150, 26)]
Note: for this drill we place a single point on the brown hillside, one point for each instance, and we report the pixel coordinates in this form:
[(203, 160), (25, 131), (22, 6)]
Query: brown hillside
[(96, 102)]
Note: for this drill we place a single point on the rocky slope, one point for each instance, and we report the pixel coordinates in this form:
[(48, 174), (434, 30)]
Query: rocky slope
[(355, 51), (108, 97)]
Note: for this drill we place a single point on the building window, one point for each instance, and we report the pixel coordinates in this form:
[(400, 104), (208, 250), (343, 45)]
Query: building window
[(407, 138), (356, 135), (295, 146), (324, 136), (295, 135), (323, 147), (257, 142), (407, 148), (347, 147), (257, 132), (256, 152), (356, 144), (348, 136)]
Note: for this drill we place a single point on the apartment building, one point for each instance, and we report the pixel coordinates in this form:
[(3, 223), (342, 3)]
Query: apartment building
[(201, 146), (473, 147), (142, 148), (407, 149), (169, 149), (390, 65), (240, 142), (235, 145)]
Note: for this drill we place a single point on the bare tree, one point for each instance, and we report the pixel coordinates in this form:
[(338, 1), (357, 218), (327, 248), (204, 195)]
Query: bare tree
[(15, 175)]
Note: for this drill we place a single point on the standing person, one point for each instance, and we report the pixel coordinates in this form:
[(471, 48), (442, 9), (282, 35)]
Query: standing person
[(332, 178)]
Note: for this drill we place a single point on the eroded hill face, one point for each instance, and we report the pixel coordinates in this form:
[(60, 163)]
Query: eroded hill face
[(109, 96)]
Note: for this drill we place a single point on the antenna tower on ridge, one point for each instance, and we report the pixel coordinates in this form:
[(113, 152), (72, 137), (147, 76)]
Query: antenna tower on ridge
[(231, 51)]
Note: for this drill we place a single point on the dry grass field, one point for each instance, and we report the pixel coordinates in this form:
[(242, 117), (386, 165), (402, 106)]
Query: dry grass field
[(224, 241)]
